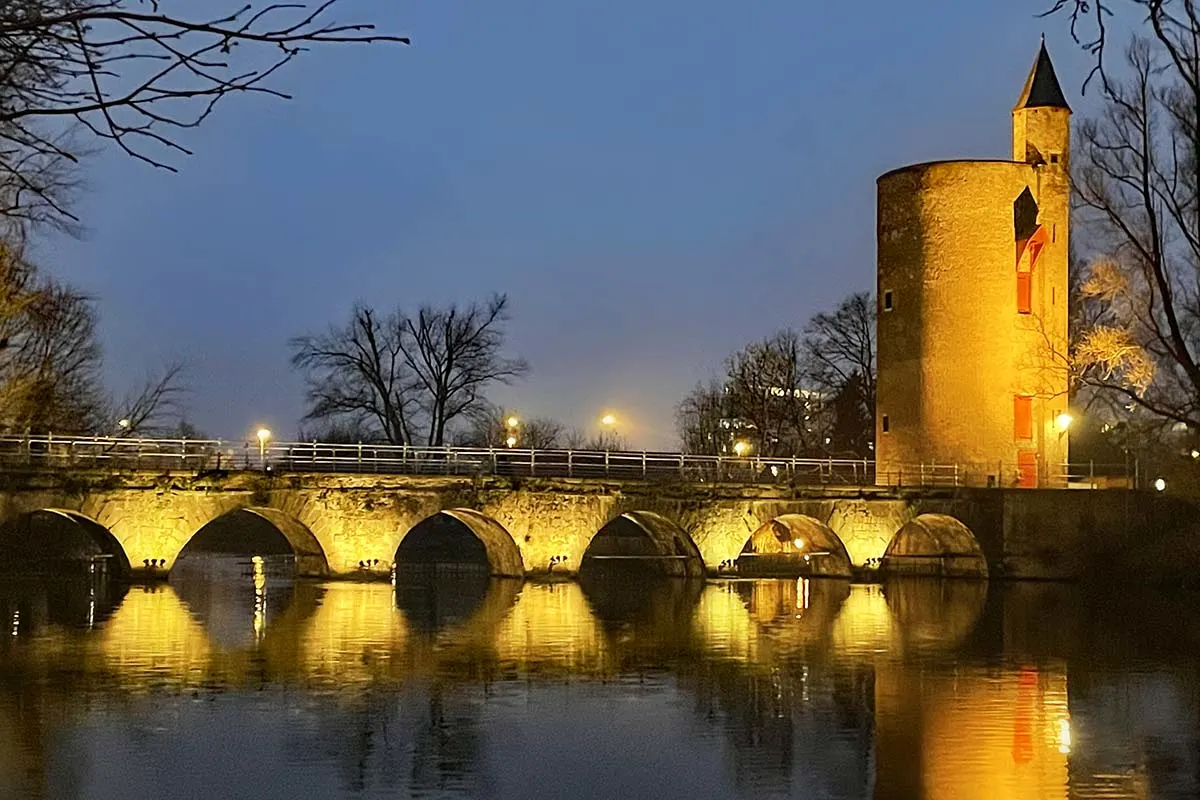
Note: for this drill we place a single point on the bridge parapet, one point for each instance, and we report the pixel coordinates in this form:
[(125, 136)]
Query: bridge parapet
[(121, 454)]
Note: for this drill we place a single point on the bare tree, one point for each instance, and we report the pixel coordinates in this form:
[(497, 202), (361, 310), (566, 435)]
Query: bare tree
[(51, 362), (839, 349), (789, 394), (136, 73), (703, 421), (396, 373), (604, 440), (154, 407), (454, 353), (55, 365), (357, 374), (1137, 184), (489, 427)]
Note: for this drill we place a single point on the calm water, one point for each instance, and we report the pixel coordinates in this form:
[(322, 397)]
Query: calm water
[(238, 682)]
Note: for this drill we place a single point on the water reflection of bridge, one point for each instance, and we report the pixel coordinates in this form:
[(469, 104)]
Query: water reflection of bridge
[(929, 688)]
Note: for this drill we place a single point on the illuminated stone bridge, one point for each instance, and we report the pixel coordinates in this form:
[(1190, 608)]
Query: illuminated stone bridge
[(361, 524)]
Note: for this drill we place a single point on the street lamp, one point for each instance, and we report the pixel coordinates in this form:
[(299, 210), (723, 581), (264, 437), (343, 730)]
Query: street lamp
[(264, 436), (1063, 421), (512, 422), (741, 447)]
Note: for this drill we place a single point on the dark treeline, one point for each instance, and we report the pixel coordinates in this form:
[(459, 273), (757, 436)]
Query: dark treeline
[(809, 393)]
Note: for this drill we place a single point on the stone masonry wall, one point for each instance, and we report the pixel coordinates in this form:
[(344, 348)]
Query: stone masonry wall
[(1022, 533)]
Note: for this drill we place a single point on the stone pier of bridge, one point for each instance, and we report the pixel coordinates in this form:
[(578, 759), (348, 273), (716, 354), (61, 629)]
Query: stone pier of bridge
[(341, 525)]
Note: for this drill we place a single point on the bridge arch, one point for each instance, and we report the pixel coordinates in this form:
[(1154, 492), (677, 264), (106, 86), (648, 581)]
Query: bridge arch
[(935, 544), (73, 536), (646, 540), (464, 538), (794, 545), (310, 556)]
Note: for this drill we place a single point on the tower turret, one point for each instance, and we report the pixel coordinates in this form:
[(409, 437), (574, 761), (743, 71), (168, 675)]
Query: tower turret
[(1042, 118)]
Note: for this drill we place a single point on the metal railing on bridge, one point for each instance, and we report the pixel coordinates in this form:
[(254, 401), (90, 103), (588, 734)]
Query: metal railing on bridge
[(206, 455)]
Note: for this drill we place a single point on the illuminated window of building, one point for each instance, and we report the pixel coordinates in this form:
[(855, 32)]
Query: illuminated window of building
[(1022, 417), (1024, 293), (886, 424), (887, 300)]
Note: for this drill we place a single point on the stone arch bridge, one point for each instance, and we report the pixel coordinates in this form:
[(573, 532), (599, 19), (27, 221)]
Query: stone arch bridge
[(355, 524)]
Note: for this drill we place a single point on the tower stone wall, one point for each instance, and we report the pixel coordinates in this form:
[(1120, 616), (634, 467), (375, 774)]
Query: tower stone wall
[(972, 317)]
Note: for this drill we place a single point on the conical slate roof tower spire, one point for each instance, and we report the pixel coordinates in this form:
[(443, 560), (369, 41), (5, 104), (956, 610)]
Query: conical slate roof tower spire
[(1042, 89)]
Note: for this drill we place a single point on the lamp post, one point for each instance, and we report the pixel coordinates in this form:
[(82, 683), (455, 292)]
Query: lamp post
[(264, 436), (609, 423), (1062, 422), (511, 425)]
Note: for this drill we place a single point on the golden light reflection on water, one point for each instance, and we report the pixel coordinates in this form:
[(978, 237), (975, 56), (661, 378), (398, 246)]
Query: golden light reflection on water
[(776, 657), (152, 639), (865, 625), (984, 733)]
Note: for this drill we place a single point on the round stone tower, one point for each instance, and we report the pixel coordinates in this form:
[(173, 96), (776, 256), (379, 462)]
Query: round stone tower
[(972, 292)]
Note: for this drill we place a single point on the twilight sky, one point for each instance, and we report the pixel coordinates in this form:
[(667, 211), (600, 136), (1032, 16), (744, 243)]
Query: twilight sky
[(654, 187)]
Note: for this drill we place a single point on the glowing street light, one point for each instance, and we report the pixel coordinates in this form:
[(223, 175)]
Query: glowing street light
[(512, 422), (798, 543), (741, 447), (1063, 421), (1160, 485), (264, 436), (608, 420), (511, 441)]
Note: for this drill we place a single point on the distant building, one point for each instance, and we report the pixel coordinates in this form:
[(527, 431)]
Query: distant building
[(972, 292), (810, 403)]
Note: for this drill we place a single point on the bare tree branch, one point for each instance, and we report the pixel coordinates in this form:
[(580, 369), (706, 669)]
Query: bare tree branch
[(1137, 188), (137, 74)]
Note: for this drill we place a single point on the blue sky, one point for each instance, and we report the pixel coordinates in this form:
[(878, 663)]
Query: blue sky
[(654, 184)]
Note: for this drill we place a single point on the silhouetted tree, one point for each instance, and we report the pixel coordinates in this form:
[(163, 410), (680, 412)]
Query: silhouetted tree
[(133, 73), (454, 354), (853, 427), (357, 376), (51, 359), (785, 395), (393, 374), (1137, 182), (152, 408), (488, 427), (702, 420), (840, 362)]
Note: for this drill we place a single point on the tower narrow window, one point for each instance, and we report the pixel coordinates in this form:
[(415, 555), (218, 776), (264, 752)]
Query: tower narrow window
[(1024, 293), (1022, 417), (886, 424), (887, 300)]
